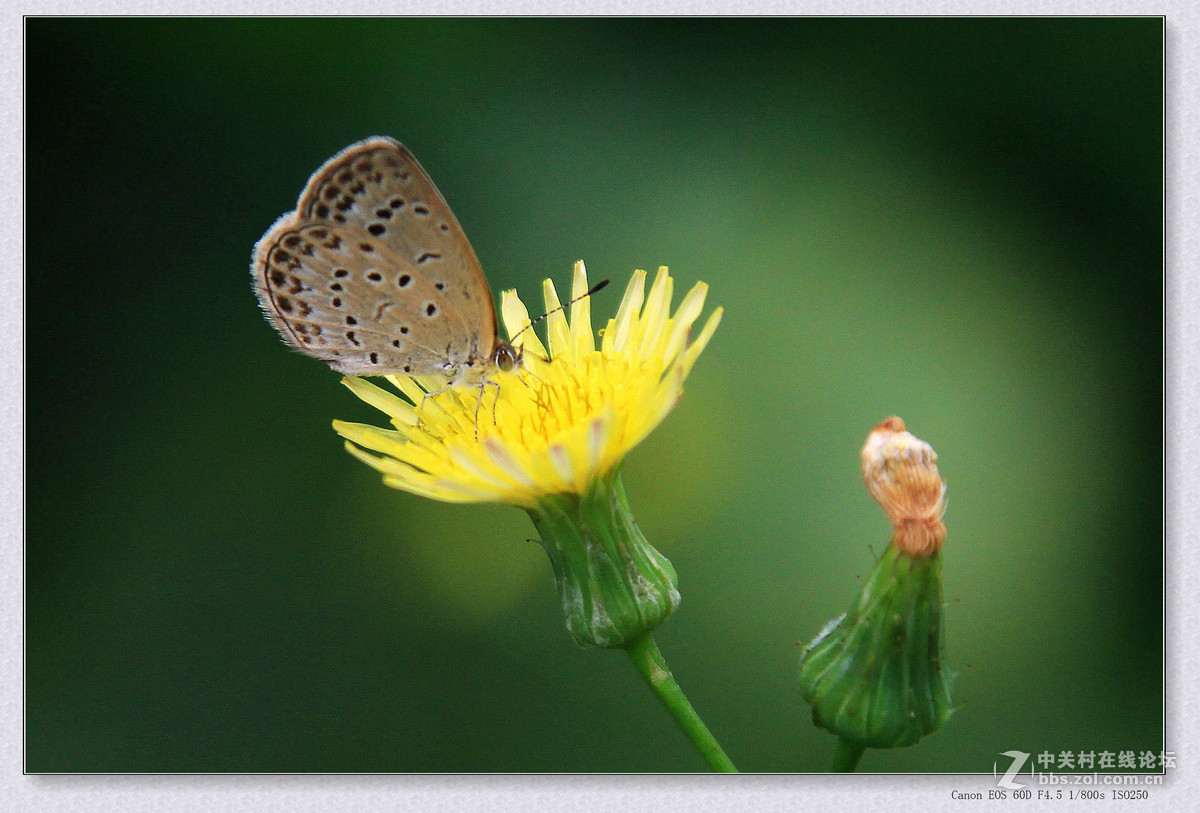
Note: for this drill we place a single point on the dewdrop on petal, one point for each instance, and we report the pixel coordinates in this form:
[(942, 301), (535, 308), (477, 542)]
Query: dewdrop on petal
[(874, 676)]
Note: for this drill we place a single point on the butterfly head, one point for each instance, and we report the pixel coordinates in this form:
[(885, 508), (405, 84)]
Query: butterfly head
[(505, 357)]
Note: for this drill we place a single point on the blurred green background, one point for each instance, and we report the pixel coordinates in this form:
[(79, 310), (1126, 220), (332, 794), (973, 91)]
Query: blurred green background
[(957, 221)]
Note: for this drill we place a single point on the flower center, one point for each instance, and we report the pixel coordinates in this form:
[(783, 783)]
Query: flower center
[(535, 405)]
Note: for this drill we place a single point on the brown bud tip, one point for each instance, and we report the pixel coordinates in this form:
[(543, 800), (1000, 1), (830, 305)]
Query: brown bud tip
[(902, 475)]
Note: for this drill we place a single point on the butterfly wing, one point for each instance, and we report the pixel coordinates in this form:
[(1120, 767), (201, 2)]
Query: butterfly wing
[(372, 273)]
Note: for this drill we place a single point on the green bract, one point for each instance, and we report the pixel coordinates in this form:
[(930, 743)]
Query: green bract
[(614, 586), (875, 676)]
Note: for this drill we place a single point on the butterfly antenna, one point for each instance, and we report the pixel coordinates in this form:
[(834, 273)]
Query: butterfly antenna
[(598, 286)]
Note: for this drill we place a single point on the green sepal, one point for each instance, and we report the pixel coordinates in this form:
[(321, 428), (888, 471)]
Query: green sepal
[(875, 676), (614, 586)]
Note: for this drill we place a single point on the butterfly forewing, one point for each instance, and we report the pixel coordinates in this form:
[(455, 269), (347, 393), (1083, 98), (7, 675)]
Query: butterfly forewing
[(373, 274)]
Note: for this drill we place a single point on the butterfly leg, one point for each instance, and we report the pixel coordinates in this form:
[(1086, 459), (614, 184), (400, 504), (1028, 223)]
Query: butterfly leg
[(433, 394), (483, 385), (496, 401), (478, 404)]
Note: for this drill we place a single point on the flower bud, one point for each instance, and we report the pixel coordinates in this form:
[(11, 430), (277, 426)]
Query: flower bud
[(902, 475), (874, 676)]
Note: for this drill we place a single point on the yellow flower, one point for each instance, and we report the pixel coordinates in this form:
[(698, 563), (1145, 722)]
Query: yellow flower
[(562, 420)]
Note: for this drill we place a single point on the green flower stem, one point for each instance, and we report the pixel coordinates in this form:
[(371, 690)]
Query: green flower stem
[(846, 756), (649, 662)]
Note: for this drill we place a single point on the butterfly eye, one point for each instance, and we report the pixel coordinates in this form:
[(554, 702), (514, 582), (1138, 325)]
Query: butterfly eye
[(505, 357)]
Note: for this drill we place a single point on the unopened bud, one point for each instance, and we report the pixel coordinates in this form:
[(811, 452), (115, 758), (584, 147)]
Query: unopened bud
[(902, 475), (874, 675)]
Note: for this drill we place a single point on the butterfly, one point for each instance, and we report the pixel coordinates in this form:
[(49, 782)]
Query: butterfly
[(373, 274)]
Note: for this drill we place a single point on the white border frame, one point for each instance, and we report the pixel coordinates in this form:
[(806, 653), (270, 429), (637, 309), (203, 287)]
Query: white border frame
[(603, 793)]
